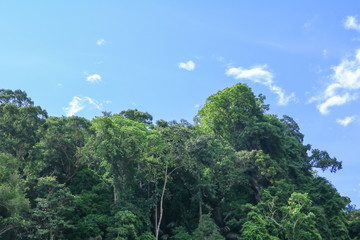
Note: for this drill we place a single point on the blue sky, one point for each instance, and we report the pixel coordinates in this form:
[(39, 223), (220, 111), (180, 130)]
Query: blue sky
[(167, 57)]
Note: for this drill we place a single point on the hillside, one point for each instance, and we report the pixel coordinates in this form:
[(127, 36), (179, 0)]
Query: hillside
[(236, 173)]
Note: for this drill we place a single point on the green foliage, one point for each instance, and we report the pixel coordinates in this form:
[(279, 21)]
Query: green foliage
[(137, 116), (180, 233), (321, 159), (207, 229), (12, 197), (256, 228), (231, 113), (19, 127), (239, 173), (271, 220), (17, 97), (53, 204), (127, 226), (59, 151)]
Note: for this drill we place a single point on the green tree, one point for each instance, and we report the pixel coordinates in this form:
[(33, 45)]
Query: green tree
[(54, 203), (127, 226), (12, 197), (137, 116), (230, 114), (270, 219), (20, 121), (207, 229), (118, 146), (60, 149)]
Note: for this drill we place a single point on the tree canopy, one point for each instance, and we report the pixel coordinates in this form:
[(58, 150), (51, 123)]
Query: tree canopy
[(237, 173)]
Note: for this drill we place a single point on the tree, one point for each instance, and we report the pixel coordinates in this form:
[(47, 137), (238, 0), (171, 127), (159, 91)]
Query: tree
[(54, 202), (137, 116), (271, 219), (19, 127), (207, 229), (230, 113), (12, 197), (167, 155), (322, 160), (126, 226), (17, 97), (119, 145), (60, 149)]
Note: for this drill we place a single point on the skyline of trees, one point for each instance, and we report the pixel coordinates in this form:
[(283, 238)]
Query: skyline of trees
[(236, 173)]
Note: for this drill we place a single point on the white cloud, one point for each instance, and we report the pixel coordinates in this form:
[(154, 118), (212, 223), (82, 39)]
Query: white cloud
[(346, 121), (261, 75), (190, 65), (352, 23), (325, 53), (197, 105), (59, 85), (334, 101), (309, 24), (100, 42), (342, 89), (93, 78), (78, 104)]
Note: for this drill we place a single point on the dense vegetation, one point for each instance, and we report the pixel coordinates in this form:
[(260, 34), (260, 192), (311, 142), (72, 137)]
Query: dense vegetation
[(237, 173)]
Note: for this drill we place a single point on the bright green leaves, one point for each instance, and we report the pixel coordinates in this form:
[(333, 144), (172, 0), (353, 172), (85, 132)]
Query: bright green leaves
[(127, 226), (230, 112), (272, 220), (240, 174), (12, 197), (119, 144), (298, 222), (237, 116), (54, 203)]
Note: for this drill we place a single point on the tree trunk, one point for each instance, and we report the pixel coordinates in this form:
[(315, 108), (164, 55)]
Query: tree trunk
[(200, 209), (115, 194), (156, 213), (52, 237), (161, 204), (148, 187)]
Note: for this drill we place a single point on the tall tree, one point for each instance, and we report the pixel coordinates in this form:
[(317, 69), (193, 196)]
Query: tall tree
[(138, 116), (230, 113), (12, 196), (54, 203), (119, 144), (60, 149), (20, 121)]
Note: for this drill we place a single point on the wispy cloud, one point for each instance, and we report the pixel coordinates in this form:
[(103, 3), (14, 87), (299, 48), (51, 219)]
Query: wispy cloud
[(334, 101), (59, 85), (309, 24), (344, 85), (325, 52), (93, 78), (100, 42), (77, 104), (352, 23), (189, 66), (346, 121), (260, 74)]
